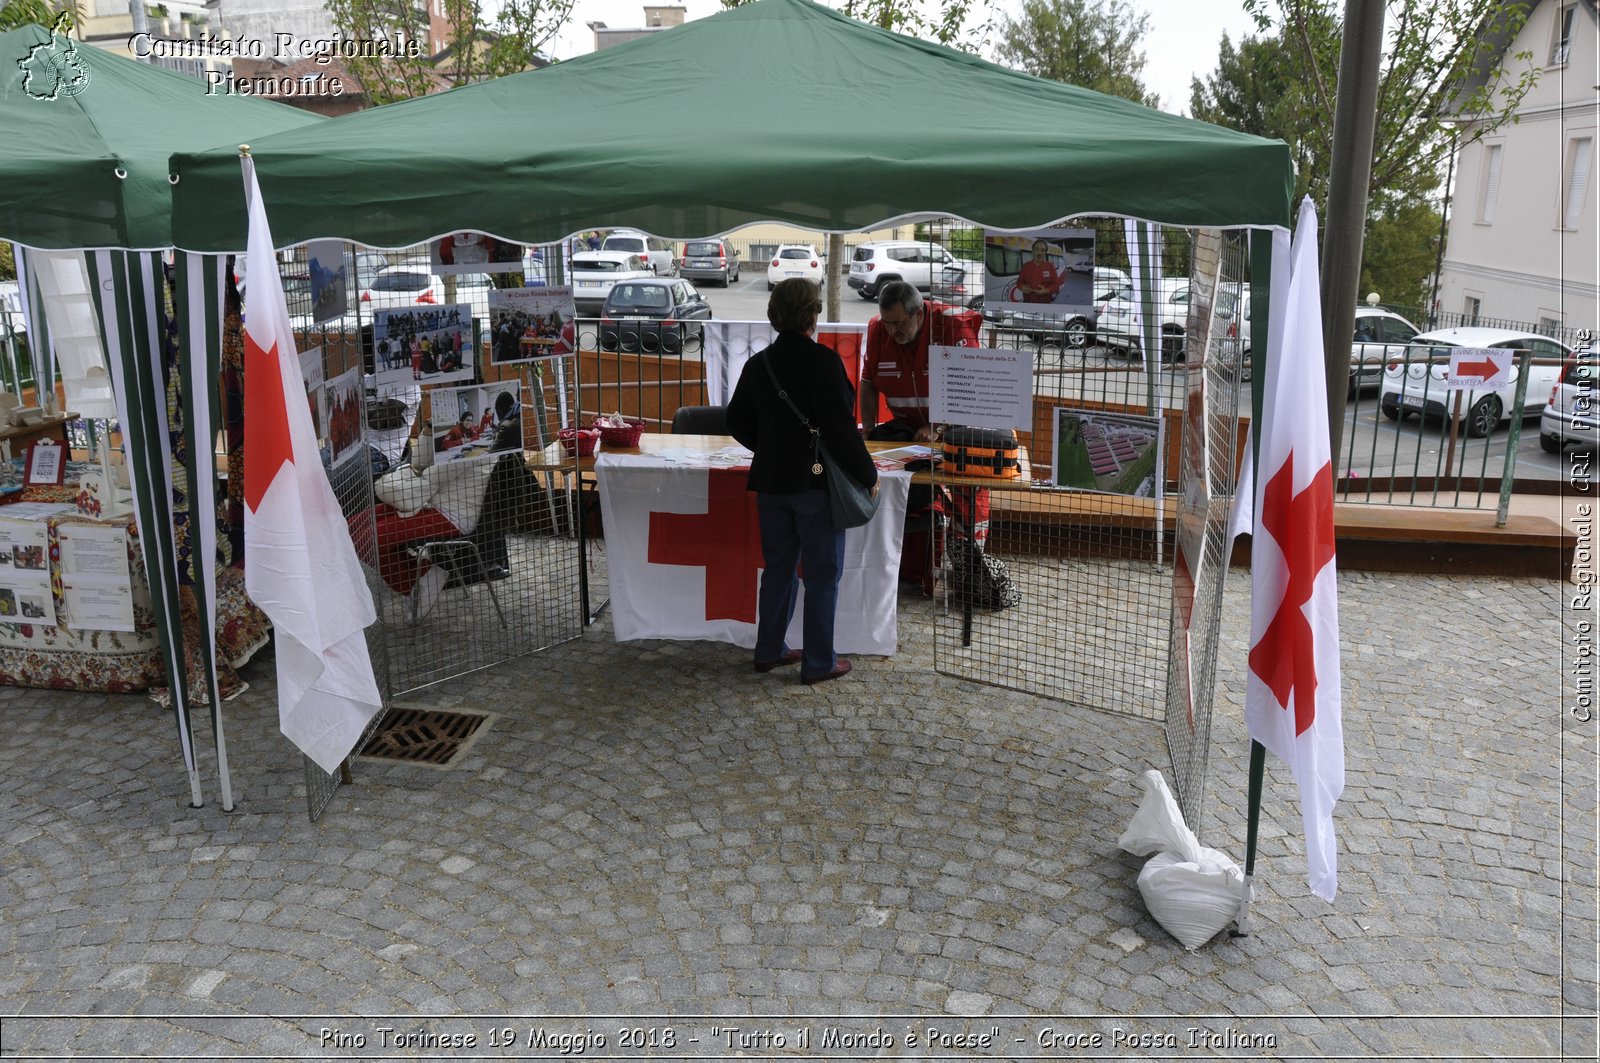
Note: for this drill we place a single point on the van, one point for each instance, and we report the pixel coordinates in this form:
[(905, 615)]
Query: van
[(657, 253)]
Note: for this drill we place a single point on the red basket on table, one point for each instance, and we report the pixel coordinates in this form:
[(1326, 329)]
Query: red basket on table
[(621, 437), (579, 441)]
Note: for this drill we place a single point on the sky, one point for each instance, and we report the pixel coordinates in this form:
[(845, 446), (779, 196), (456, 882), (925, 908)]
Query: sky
[(1181, 42)]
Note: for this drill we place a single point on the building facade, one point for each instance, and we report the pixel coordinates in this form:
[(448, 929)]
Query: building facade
[(1523, 238)]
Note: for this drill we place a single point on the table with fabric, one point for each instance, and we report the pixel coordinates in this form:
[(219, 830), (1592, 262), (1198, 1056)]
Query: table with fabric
[(683, 546), (65, 657)]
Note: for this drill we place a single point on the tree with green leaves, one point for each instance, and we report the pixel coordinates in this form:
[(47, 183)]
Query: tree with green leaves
[(477, 50), (514, 43), (1442, 63), (17, 13), (1096, 44)]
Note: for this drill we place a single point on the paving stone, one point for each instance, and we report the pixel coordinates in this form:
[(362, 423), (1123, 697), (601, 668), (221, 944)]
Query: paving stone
[(905, 843)]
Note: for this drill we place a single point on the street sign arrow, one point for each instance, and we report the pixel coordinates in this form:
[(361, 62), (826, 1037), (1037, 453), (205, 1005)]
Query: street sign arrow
[(1478, 367)]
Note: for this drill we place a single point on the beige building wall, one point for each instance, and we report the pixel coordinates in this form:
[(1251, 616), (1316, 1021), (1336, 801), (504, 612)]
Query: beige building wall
[(1523, 242)]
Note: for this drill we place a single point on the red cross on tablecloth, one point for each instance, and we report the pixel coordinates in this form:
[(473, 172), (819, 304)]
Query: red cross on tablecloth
[(725, 540), (1302, 526)]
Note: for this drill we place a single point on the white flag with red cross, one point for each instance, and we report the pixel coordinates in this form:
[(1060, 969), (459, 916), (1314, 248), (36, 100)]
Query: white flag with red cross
[(1292, 694), (300, 565)]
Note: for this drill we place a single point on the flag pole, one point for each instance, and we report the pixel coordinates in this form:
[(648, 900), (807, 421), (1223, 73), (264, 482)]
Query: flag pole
[(1258, 764)]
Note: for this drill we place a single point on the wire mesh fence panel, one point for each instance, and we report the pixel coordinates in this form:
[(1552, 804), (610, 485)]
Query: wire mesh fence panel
[(332, 368), (1090, 588), (1205, 477), (1089, 627)]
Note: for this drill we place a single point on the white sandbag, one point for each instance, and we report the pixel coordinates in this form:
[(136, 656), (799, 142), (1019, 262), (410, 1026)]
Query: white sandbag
[(1158, 826), (1192, 899)]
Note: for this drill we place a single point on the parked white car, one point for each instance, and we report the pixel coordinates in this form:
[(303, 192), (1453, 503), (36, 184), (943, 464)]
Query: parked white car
[(794, 260), (1114, 323), (594, 273), (403, 286), (1378, 337), (1416, 383), (657, 254), (1570, 415), (917, 262)]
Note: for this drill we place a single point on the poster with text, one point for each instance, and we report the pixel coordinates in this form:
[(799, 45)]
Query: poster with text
[(981, 386), (475, 422), (343, 394), (423, 344), (474, 253), (1113, 452), (96, 584), (330, 289), (526, 324)]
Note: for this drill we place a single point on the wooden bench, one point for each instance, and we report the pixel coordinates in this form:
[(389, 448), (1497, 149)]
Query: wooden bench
[(1372, 538)]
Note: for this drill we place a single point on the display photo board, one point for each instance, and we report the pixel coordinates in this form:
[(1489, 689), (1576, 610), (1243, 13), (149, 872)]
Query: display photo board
[(423, 344), (527, 324), (475, 422), (1117, 453)]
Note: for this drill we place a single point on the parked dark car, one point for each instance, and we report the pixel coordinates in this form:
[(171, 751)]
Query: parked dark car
[(653, 316), (711, 260)]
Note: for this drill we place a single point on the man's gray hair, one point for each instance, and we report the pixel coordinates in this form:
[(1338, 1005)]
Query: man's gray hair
[(900, 292)]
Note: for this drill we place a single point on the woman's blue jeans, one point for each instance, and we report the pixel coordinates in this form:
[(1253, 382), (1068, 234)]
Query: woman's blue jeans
[(798, 530)]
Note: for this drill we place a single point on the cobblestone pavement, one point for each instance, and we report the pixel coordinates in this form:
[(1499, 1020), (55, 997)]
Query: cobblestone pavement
[(652, 837)]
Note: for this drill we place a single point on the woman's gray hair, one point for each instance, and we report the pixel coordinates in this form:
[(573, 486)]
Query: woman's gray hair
[(906, 295), (794, 305)]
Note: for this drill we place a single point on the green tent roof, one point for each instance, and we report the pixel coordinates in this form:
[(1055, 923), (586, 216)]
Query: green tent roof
[(72, 116), (781, 110)]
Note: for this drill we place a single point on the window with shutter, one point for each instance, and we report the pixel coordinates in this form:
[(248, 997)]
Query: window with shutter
[(1580, 157), (1561, 42), (1491, 183)]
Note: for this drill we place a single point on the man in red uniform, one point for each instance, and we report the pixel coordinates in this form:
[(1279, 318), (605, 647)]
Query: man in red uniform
[(1039, 280), (896, 364), (896, 367)]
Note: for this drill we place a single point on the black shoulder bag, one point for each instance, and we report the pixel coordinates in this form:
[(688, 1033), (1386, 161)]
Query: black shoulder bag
[(853, 505)]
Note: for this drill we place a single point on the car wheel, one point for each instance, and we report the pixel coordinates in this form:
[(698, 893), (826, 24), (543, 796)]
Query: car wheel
[(1484, 417), (770, 286), (1549, 444), (1391, 409), (1077, 334), (1354, 391)]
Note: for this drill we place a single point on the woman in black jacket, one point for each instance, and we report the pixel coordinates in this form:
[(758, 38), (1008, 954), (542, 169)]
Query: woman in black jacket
[(791, 498)]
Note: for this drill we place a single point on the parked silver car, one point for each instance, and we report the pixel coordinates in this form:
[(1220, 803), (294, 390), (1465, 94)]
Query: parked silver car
[(1570, 415), (710, 260)]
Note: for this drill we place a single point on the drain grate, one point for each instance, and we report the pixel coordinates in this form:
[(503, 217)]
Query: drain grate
[(431, 737)]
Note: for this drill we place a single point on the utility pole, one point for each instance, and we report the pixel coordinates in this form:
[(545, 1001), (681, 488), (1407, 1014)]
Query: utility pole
[(835, 274), (1354, 121)]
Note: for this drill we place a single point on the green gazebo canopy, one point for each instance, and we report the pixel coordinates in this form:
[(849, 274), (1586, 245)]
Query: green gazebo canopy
[(87, 135), (781, 110)]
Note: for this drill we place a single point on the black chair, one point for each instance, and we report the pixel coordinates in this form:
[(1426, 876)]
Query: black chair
[(700, 421)]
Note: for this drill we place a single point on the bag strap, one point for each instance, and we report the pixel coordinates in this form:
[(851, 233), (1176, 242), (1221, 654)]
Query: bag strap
[(784, 396), (817, 450)]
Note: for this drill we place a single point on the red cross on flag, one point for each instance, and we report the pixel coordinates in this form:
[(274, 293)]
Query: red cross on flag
[(683, 546), (300, 566), (1292, 693)]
